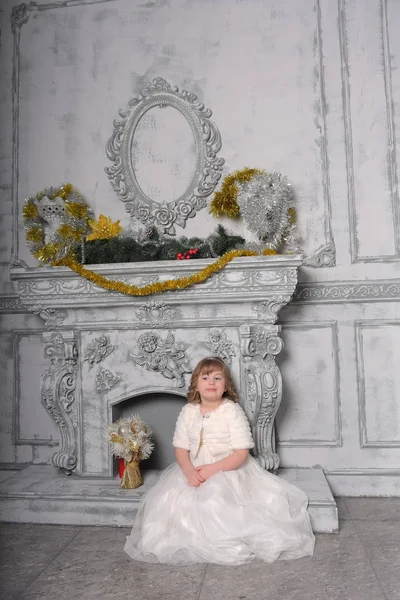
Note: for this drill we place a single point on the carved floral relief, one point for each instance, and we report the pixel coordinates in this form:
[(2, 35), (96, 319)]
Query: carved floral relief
[(105, 380), (155, 314)]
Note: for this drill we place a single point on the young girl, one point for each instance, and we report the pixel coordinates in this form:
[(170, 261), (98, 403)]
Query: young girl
[(216, 503)]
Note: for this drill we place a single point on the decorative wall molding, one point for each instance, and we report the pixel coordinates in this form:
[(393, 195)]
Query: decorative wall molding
[(325, 256), (11, 304), (19, 16), (348, 135), (17, 439), (348, 291), (391, 141), (391, 128), (337, 440), (359, 326)]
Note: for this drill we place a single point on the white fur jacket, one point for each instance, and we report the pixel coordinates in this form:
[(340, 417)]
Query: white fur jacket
[(222, 430)]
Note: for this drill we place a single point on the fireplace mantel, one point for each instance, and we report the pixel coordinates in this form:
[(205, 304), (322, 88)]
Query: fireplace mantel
[(270, 279), (105, 347)]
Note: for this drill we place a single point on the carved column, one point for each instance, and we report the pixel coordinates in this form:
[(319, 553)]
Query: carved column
[(262, 387), (58, 393)]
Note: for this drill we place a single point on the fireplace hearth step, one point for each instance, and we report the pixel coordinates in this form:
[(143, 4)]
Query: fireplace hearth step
[(44, 494)]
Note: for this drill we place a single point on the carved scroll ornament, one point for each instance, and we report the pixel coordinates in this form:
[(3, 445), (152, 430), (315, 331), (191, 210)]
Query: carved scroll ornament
[(58, 393), (263, 388)]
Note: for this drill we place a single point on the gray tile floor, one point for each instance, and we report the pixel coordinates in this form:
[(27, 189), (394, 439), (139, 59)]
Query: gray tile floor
[(60, 562)]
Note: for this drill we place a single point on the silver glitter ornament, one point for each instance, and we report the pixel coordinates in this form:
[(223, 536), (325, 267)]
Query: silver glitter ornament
[(264, 204)]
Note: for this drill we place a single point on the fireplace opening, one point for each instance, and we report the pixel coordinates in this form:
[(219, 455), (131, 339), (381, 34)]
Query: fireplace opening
[(160, 410)]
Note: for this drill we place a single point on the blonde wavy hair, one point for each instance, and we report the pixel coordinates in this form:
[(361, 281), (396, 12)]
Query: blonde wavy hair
[(205, 367)]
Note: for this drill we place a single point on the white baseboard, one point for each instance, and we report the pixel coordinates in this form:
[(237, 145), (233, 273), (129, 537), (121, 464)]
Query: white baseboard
[(364, 482)]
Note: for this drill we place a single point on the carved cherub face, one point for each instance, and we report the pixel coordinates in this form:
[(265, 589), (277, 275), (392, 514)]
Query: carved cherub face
[(148, 342)]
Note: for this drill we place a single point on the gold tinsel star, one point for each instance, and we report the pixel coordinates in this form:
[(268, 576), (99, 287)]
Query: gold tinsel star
[(104, 228)]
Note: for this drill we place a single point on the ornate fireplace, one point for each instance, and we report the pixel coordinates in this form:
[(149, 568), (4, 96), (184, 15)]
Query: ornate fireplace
[(107, 352), (104, 348)]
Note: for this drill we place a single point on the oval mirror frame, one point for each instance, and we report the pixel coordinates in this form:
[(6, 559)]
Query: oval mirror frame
[(208, 167)]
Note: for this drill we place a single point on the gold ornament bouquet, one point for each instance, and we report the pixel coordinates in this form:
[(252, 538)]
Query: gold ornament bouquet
[(130, 439)]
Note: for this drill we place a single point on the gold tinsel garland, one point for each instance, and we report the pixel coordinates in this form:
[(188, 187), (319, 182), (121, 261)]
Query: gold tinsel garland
[(73, 225), (161, 286), (224, 202)]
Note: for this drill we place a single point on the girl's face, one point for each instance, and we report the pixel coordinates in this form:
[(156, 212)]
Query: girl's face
[(211, 386)]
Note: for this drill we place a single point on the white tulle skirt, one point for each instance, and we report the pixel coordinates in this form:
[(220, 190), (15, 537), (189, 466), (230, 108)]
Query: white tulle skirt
[(231, 518)]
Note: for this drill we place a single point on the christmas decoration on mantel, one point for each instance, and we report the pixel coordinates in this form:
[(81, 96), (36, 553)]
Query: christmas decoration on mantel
[(130, 440), (161, 286), (104, 229), (153, 246), (55, 221), (264, 200)]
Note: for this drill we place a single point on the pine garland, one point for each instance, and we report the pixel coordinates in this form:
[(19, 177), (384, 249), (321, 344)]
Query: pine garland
[(157, 247)]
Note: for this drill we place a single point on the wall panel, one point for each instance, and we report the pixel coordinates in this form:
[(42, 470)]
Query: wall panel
[(378, 360), (33, 425), (310, 411)]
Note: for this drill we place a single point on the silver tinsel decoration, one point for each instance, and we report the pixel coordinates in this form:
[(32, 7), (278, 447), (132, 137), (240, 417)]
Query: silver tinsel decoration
[(264, 204)]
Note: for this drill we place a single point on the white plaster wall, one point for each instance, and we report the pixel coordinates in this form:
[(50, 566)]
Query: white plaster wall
[(310, 88)]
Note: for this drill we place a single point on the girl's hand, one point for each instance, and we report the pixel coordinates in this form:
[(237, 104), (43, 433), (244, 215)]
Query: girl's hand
[(206, 471), (194, 478)]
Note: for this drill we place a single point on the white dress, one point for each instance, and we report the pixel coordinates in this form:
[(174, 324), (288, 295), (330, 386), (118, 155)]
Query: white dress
[(232, 517)]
